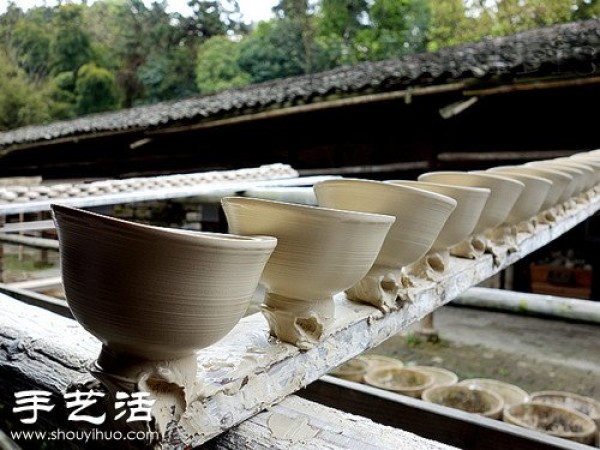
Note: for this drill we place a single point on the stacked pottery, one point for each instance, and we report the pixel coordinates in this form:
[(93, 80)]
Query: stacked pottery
[(470, 202), (150, 293), (504, 193), (420, 216), (320, 252)]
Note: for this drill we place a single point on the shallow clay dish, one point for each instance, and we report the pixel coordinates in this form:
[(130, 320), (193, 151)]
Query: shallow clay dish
[(380, 361), (580, 403), (559, 191), (503, 196), (441, 377), (510, 393), (470, 202), (474, 400), (399, 379), (155, 293), (554, 420), (531, 199), (353, 370), (320, 252)]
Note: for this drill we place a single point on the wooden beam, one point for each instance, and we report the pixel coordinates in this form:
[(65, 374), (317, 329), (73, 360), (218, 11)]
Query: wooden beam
[(378, 168), (502, 156), (358, 99), (17, 227), (46, 302), (247, 370), (532, 86), (454, 427)]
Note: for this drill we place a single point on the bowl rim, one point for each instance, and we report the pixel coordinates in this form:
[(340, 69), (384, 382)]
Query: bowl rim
[(586, 419), (357, 181), (482, 191), (515, 183), (508, 174), (315, 211), (565, 176), (191, 237)]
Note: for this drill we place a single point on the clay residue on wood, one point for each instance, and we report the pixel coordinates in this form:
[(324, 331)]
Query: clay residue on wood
[(296, 430)]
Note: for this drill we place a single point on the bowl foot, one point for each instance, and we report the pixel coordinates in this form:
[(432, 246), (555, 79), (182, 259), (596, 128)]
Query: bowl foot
[(432, 266), (378, 288), (296, 321), (472, 248)]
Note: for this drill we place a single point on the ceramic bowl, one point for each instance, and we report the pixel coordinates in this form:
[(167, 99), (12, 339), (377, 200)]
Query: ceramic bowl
[(589, 160), (380, 361), (559, 191), (503, 196), (441, 376), (353, 370), (510, 393), (155, 293), (580, 403), (469, 399), (420, 216), (399, 379), (470, 202), (320, 252), (531, 199), (588, 171), (554, 420), (578, 182)]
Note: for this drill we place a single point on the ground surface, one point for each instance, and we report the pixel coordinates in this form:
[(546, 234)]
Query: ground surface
[(533, 353)]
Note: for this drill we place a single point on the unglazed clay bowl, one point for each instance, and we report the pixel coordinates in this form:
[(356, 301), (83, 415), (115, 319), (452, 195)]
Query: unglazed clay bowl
[(511, 393), (580, 403), (469, 399), (552, 419), (578, 182), (470, 202), (155, 293), (560, 182), (420, 216), (352, 370), (503, 196), (589, 160), (588, 172), (320, 252), (441, 376), (399, 379), (531, 199)]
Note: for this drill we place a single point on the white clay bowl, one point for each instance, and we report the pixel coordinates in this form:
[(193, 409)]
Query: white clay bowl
[(378, 361), (420, 215), (320, 251), (531, 199), (155, 293), (560, 182), (588, 172), (503, 196), (470, 399), (577, 184), (470, 202), (352, 370), (510, 393), (589, 160)]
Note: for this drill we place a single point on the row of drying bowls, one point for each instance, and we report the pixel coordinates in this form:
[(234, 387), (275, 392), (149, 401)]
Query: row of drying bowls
[(157, 293), (558, 413)]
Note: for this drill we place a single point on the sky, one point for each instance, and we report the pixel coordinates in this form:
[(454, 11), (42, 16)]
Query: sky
[(253, 10)]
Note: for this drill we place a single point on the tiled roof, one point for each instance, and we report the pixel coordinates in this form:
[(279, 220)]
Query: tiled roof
[(572, 48)]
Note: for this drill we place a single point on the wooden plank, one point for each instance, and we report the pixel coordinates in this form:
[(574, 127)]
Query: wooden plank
[(38, 225), (37, 284), (49, 352), (55, 305), (34, 242), (284, 425), (248, 371), (209, 190), (454, 427)]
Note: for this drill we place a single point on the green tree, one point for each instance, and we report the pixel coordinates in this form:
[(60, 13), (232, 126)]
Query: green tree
[(20, 103), (71, 45), (218, 66), (95, 90)]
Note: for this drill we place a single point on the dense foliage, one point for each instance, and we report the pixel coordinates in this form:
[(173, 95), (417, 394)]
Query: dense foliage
[(77, 58)]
